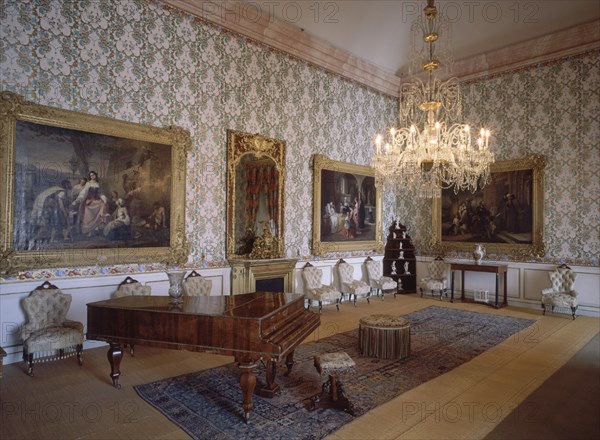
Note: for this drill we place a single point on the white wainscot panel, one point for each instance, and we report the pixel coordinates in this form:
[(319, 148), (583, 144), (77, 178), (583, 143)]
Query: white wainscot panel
[(83, 291), (534, 281)]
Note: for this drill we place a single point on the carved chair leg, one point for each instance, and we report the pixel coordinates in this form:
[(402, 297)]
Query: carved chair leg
[(320, 306), (355, 297), (337, 305), (573, 310), (79, 350), (543, 309), (420, 288), (30, 364)]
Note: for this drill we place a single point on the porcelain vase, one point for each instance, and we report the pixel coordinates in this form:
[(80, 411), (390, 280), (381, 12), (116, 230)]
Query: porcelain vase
[(478, 253), (175, 288)]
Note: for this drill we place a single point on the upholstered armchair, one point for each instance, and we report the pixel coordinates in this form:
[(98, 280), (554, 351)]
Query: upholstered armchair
[(131, 287), (349, 285), (196, 285), (47, 334), (561, 294), (437, 281), (377, 280), (315, 290)]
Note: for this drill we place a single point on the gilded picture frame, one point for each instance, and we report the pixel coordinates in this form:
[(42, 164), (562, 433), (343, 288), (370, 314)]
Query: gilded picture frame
[(81, 190), (506, 216), (347, 207)]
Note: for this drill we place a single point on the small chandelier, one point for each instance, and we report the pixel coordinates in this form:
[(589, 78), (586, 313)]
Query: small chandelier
[(441, 154)]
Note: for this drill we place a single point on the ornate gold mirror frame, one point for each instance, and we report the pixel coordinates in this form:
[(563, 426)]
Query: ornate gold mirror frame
[(255, 196)]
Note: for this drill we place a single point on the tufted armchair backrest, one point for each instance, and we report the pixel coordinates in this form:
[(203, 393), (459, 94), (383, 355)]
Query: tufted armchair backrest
[(374, 270), (312, 277), (133, 288), (346, 272), (562, 279), (197, 286), (437, 269), (46, 307)]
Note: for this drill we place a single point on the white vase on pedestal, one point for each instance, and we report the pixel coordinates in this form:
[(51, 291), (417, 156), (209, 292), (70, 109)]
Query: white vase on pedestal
[(478, 253), (175, 288)]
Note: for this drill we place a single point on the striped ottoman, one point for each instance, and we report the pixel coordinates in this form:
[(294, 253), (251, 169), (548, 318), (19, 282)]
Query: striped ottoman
[(384, 336)]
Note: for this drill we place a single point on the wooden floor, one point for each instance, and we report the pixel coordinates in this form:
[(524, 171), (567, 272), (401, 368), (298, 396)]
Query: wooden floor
[(65, 401)]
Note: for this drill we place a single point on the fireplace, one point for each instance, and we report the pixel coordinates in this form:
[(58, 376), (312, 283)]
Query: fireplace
[(270, 285), (276, 275)]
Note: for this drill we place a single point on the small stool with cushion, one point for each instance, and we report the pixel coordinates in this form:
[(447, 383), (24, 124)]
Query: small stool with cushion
[(384, 336), (336, 365)]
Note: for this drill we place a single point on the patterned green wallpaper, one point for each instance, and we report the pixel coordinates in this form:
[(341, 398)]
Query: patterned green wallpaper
[(141, 62)]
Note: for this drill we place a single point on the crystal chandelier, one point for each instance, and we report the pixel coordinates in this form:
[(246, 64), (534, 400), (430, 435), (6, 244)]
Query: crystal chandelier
[(441, 154)]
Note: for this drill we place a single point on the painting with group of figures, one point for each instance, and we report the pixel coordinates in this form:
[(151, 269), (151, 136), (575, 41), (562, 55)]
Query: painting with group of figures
[(506, 214), (347, 210), (82, 189), (89, 190)]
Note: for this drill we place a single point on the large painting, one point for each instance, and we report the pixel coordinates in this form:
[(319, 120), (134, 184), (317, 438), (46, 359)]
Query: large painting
[(81, 189), (506, 215), (347, 207)]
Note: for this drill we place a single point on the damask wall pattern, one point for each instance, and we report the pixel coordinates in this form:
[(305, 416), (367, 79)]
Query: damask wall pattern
[(551, 109), (139, 61)]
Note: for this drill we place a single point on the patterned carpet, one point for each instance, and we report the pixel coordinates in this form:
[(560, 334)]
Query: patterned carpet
[(207, 404)]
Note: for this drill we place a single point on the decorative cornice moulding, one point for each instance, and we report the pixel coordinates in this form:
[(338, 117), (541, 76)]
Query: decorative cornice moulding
[(275, 33), (573, 41)]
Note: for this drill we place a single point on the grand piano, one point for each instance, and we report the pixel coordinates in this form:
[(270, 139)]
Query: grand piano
[(250, 327)]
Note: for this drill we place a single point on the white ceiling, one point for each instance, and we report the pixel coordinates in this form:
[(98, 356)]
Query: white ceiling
[(379, 30)]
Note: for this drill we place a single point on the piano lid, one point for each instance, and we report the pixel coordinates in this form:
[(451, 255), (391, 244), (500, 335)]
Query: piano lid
[(248, 305)]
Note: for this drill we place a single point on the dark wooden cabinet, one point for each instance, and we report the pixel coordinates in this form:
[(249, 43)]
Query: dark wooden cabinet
[(399, 260)]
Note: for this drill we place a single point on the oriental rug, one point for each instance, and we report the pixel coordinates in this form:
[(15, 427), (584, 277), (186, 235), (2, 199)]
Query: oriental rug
[(207, 404)]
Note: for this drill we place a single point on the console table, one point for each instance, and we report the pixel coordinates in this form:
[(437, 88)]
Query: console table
[(487, 267)]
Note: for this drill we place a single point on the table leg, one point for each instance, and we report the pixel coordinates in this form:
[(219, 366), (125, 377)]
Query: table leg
[(115, 354), (247, 383), (452, 287), (462, 285), (505, 291), (497, 281)]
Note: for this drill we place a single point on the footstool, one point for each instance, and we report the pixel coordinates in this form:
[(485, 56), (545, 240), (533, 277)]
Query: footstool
[(384, 336), (336, 365)]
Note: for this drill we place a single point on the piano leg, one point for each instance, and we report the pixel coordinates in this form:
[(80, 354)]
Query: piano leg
[(247, 383), (289, 363), (115, 354), (271, 387)]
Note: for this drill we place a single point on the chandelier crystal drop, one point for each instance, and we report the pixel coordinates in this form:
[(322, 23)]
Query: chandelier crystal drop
[(433, 150)]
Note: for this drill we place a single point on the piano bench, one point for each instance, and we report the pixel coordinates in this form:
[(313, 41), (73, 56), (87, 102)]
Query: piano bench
[(335, 365)]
